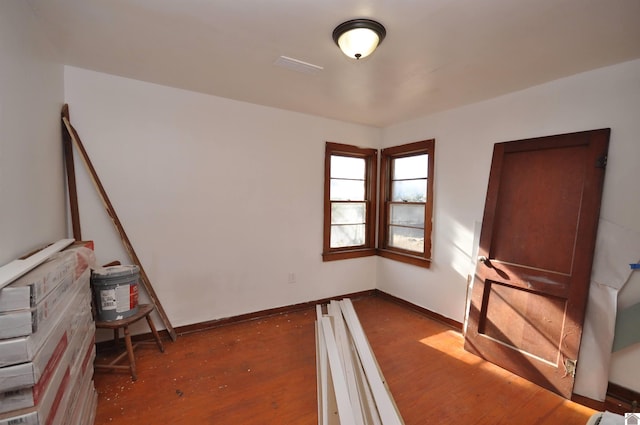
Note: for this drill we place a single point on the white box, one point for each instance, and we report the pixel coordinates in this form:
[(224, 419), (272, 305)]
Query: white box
[(48, 406), (23, 349), (27, 374), (83, 398), (89, 408), (26, 291), (48, 357), (65, 355), (82, 378), (25, 322)]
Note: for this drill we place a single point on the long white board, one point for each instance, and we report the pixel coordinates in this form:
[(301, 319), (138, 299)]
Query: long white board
[(16, 268), (351, 387)]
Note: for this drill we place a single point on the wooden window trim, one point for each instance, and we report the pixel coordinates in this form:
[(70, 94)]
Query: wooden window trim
[(371, 158), (422, 147)]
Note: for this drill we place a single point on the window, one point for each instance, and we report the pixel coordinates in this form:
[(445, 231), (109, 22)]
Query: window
[(406, 203), (349, 201)]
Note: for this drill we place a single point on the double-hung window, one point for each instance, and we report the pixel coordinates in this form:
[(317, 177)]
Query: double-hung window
[(350, 201), (405, 208), (406, 202)]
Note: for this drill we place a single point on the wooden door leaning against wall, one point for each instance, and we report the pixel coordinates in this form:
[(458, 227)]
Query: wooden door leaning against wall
[(536, 250)]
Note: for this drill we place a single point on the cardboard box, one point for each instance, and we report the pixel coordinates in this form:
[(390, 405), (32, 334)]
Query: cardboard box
[(30, 289), (25, 322), (89, 407), (46, 372), (77, 407), (23, 349), (82, 383), (26, 291), (64, 355), (48, 406), (28, 374)]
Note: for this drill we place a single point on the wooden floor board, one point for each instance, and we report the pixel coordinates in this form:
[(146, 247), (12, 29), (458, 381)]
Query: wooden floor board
[(263, 371)]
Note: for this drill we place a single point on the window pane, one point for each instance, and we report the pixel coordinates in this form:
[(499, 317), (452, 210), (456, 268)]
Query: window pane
[(406, 238), (347, 167), (347, 190), (347, 235), (347, 213), (407, 215), (409, 191), (411, 167)]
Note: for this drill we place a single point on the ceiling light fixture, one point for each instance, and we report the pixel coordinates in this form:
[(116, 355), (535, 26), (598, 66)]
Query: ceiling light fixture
[(358, 38)]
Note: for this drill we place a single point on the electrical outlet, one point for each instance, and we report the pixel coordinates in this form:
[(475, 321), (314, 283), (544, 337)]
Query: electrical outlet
[(291, 278)]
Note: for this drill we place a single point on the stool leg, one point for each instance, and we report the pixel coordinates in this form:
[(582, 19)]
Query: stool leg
[(132, 360), (116, 337), (155, 333)]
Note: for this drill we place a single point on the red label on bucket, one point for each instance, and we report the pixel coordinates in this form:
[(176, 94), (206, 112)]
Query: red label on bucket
[(133, 296)]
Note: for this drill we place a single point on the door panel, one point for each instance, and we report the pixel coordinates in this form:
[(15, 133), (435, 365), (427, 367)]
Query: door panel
[(540, 192), (536, 249), (523, 319)]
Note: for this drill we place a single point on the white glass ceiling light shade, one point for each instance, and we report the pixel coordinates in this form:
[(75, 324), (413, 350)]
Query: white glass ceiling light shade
[(358, 38)]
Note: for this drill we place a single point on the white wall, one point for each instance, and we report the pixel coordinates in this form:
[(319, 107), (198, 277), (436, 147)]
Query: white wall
[(32, 197), (222, 200), (607, 97)]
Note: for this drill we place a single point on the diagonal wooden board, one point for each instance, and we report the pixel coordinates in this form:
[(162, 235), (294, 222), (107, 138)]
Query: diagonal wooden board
[(116, 221), (71, 176)]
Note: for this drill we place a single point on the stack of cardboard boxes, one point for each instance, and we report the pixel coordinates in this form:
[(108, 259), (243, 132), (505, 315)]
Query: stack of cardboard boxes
[(47, 344)]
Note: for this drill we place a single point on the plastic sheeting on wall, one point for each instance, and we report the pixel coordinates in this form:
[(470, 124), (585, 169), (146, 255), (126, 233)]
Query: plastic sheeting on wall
[(616, 248)]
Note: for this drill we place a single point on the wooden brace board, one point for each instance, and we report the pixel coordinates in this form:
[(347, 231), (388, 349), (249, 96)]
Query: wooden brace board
[(118, 225)]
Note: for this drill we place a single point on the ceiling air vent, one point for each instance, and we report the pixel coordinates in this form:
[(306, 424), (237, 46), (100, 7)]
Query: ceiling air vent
[(298, 65)]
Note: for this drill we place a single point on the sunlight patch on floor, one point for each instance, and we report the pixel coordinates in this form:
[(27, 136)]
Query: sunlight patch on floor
[(450, 342)]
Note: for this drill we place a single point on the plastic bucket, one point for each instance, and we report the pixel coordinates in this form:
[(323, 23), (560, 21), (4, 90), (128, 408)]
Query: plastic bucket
[(115, 290)]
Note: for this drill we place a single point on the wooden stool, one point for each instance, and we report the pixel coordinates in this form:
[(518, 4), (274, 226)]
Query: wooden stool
[(144, 310)]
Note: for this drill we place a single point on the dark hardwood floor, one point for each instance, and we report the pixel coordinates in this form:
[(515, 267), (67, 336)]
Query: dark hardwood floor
[(263, 371)]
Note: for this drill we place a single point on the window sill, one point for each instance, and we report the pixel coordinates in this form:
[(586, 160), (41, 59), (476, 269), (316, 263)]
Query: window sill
[(405, 258), (352, 253)]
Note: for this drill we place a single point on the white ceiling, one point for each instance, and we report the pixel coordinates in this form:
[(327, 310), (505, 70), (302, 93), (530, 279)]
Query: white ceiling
[(438, 54)]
